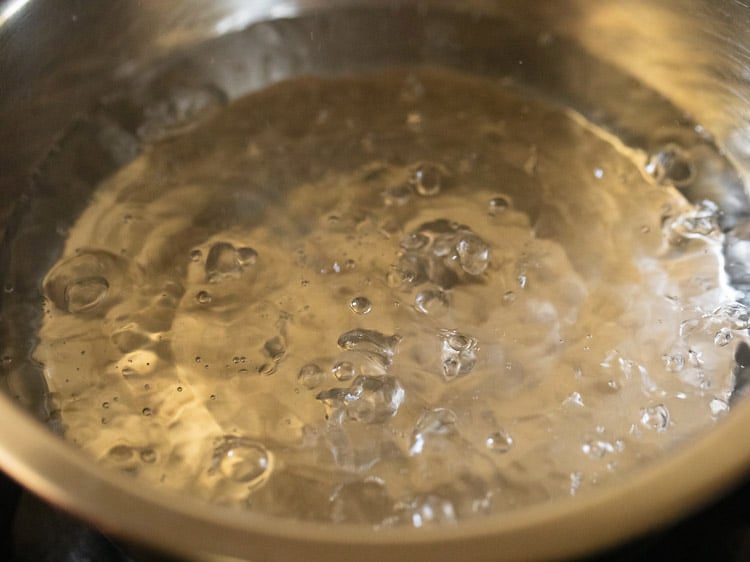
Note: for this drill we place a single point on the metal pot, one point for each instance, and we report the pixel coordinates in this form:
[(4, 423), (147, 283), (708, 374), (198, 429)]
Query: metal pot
[(60, 59)]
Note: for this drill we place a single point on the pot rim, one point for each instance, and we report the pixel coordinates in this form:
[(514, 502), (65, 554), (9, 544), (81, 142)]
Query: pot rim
[(119, 505)]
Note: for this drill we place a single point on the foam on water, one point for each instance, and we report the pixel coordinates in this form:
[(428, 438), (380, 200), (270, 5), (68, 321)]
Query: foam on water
[(404, 298)]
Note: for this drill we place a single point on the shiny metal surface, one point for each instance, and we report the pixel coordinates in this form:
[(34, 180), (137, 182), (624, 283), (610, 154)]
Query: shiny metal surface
[(57, 59)]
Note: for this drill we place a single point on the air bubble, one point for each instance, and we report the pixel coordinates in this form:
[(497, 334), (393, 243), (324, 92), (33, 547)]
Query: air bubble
[(458, 355), (498, 205), (695, 358), (427, 179), (700, 221), (671, 165), (431, 301), (203, 297), (85, 282), (242, 460), (184, 108), (395, 278), (311, 376), (499, 442), (275, 348), (723, 337), (361, 501), (430, 510), (435, 423), (574, 399), (736, 314), (444, 245), (411, 269), (370, 342), (84, 294), (369, 400), (247, 256), (674, 362), (147, 411), (398, 195), (360, 305), (576, 479), (121, 453), (597, 449), (148, 456), (718, 407), (344, 371), (473, 254), (196, 255), (414, 241), (224, 261), (655, 417)]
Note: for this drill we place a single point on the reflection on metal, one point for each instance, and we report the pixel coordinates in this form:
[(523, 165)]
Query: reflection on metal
[(10, 9), (243, 14)]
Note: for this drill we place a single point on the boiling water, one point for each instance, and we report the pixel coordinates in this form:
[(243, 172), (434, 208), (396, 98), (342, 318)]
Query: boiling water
[(405, 297)]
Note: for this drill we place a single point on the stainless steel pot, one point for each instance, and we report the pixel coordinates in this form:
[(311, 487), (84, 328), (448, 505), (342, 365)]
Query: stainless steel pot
[(57, 60)]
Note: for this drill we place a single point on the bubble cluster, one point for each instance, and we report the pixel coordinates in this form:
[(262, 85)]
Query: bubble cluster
[(699, 222), (368, 400), (392, 313), (433, 252)]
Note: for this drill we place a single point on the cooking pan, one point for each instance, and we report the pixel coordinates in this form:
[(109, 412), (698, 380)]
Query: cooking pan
[(61, 62)]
